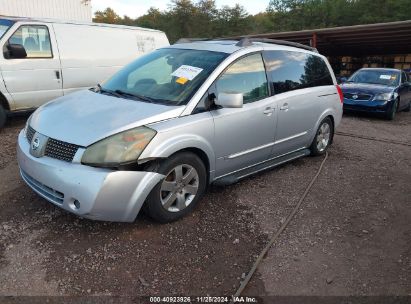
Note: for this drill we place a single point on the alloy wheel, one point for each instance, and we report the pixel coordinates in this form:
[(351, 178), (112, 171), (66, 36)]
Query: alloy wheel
[(179, 188), (323, 137)]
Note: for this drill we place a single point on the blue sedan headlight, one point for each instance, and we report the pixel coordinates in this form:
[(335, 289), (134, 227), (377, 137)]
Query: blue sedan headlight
[(385, 96)]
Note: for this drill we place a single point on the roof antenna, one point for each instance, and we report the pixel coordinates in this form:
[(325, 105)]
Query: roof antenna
[(244, 42), (183, 40)]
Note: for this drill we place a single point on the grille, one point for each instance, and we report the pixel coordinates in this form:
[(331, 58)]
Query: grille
[(60, 150), (360, 96), (55, 148), (30, 133), (47, 192)]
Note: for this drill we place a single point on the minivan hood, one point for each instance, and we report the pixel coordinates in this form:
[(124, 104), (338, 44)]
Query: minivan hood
[(367, 88), (84, 117)]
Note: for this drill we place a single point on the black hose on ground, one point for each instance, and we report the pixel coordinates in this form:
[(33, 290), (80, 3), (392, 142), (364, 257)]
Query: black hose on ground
[(396, 142), (279, 231)]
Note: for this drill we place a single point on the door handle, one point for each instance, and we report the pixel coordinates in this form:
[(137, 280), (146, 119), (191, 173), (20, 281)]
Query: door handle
[(284, 107), (57, 74), (268, 111)]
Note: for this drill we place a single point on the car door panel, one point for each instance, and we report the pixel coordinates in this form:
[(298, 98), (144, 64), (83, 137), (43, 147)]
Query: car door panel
[(296, 124), (244, 136), (299, 81), (403, 96), (404, 91), (34, 80), (296, 117)]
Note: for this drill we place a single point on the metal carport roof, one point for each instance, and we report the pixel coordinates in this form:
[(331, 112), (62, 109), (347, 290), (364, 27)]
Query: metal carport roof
[(357, 40)]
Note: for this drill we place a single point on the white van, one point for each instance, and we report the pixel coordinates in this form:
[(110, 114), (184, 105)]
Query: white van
[(44, 59)]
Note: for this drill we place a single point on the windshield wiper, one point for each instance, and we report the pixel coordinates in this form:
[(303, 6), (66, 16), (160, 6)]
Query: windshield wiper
[(109, 92), (135, 96), (122, 94), (376, 83)]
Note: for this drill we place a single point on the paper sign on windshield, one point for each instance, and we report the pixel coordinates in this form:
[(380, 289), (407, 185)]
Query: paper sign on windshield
[(187, 72), (385, 76)]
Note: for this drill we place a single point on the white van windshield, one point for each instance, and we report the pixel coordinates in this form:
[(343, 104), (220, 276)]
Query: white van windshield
[(167, 76), (5, 24)]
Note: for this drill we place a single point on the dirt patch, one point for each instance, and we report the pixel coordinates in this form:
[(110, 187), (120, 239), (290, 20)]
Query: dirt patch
[(350, 237), (8, 136), (23, 271), (205, 253)]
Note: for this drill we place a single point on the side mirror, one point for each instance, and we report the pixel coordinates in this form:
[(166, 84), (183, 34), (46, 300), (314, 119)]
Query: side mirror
[(16, 51), (230, 100), (343, 79)]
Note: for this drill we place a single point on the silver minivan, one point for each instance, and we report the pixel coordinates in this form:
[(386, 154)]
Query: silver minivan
[(157, 133)]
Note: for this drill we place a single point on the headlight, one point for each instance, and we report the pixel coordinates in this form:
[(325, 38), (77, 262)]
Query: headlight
[(27, 125), (385, 96), (118, 149)]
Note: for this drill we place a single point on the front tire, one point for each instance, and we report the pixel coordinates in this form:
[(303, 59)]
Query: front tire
[(181, 189), (3, 117), (391, 114), (323, 137)]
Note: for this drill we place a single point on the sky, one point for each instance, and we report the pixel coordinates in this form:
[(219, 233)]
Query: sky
[(136, 8)]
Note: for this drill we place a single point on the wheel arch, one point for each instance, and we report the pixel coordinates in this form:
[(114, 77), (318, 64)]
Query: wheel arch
[(333, 122), (194, 144), (4, 102), (325, 114), (202, 155)]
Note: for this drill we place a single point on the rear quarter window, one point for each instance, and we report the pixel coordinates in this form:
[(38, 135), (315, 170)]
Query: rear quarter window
[(290, 71)]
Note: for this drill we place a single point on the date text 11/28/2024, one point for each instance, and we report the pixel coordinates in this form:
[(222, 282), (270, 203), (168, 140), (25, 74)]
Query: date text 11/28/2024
[(205, 299)]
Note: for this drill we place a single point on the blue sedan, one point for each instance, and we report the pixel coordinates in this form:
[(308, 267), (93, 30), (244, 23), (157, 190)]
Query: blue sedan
[(377, 90)]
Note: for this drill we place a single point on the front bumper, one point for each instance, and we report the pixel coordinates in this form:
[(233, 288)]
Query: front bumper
[(367, 106), (102, 194)]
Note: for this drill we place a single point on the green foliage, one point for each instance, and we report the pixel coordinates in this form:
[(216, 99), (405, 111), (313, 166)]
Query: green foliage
[(309, 14), (107, 16), (202, 18)]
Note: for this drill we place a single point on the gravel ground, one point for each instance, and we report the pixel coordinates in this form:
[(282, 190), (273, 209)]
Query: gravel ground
[(351, 236)]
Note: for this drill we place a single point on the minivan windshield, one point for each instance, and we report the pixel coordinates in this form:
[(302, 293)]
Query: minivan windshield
[(382, 77), (167, 76), (5, 24)]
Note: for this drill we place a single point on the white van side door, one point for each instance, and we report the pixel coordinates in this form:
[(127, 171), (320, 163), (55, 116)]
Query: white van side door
[(36, 79)]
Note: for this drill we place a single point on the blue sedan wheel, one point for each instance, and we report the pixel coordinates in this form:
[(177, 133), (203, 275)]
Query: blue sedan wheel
[(393, 111)]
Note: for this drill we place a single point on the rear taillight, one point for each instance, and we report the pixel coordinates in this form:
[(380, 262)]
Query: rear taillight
[(340, 93)]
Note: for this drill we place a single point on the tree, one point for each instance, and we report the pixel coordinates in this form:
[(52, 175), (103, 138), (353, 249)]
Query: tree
[(107, 16), (206, 17), (202, 18), (232, 21)]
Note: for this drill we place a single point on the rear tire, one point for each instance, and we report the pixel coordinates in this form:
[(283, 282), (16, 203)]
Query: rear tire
[(323, 137), (180, 191), (3, 117), (391, 114)]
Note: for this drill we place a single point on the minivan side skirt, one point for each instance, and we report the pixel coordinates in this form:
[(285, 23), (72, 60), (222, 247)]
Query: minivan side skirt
[(235, 176), (266, 145)]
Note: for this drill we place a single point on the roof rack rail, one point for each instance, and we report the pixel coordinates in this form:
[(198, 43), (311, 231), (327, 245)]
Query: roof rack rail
[(247, 41), (189, 40)]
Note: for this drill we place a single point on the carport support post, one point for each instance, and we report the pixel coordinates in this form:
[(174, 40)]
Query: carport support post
[(314, 40)]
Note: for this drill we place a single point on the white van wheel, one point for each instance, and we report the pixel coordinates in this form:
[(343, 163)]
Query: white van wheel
[(3, 117)]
